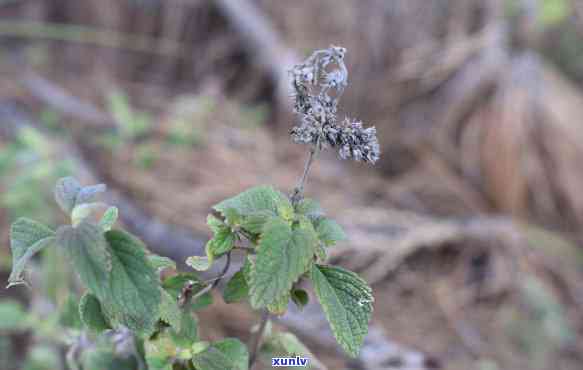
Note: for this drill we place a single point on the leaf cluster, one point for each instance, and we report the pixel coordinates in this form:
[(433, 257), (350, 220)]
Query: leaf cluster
[(284, 245), (127, 295)]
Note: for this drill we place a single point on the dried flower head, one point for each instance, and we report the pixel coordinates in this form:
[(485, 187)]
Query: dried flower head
[(317, 85)]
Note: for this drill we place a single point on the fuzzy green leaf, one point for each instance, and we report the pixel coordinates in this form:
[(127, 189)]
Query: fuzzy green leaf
[(309, 208), (215, 224), (86, 248), (260, 198), (228, 354), (255, 221), (27, 237), (232, 216), (109, 218), (221, 243), (161, 262), (66, 192), (18, 266), (236, 289), (160, 352), (200, 263), (329, 232), (91, 314), (134, 288), (170, 313), (347, 302), (283, 254), (279, 306), (184, 324), (86, 211), (199, 347), (188, 332), (69, 313)]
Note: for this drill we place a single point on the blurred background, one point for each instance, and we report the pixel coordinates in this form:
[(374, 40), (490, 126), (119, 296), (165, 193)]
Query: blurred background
[(469, 228)]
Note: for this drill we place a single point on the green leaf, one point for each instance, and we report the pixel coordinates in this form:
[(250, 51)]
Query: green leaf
[(309, 208), (279, 306), (236, 289), (221, 243), (170, 313), (66, 192), (188, 332), (134, 287), (69, 313), (329, 232), (161, 262), (15, 277), (27, 237), (233, 217), (100, 359), (285, 210), (347, 302), (86, 248), (260, 198), (200, 263), (109, 218), (300, 297), (13, 315), (91, 314), (224, 238), (160, 352), (90, 194), (228, 354), (283, 254), (86, 210), (255, 221), (215, 224), (199, 347)]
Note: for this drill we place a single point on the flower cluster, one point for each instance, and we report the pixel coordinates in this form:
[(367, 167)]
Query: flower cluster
[(317, 85)]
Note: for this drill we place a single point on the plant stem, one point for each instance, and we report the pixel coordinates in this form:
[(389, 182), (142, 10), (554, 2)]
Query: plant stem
[(299, 190), (211, 284), (257, 337)]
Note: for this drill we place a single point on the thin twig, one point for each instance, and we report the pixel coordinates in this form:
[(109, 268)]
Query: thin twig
[(245, 248), (256, 339), (299, 190), (210, 285)]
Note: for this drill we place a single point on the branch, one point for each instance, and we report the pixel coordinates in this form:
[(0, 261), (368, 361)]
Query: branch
[(60, 100)]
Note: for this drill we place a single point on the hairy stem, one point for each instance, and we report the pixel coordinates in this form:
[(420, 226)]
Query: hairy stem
[(257, 337), (299, 190)]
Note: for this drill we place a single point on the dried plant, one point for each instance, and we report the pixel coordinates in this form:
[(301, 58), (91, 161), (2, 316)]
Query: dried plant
[(133, 316)]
